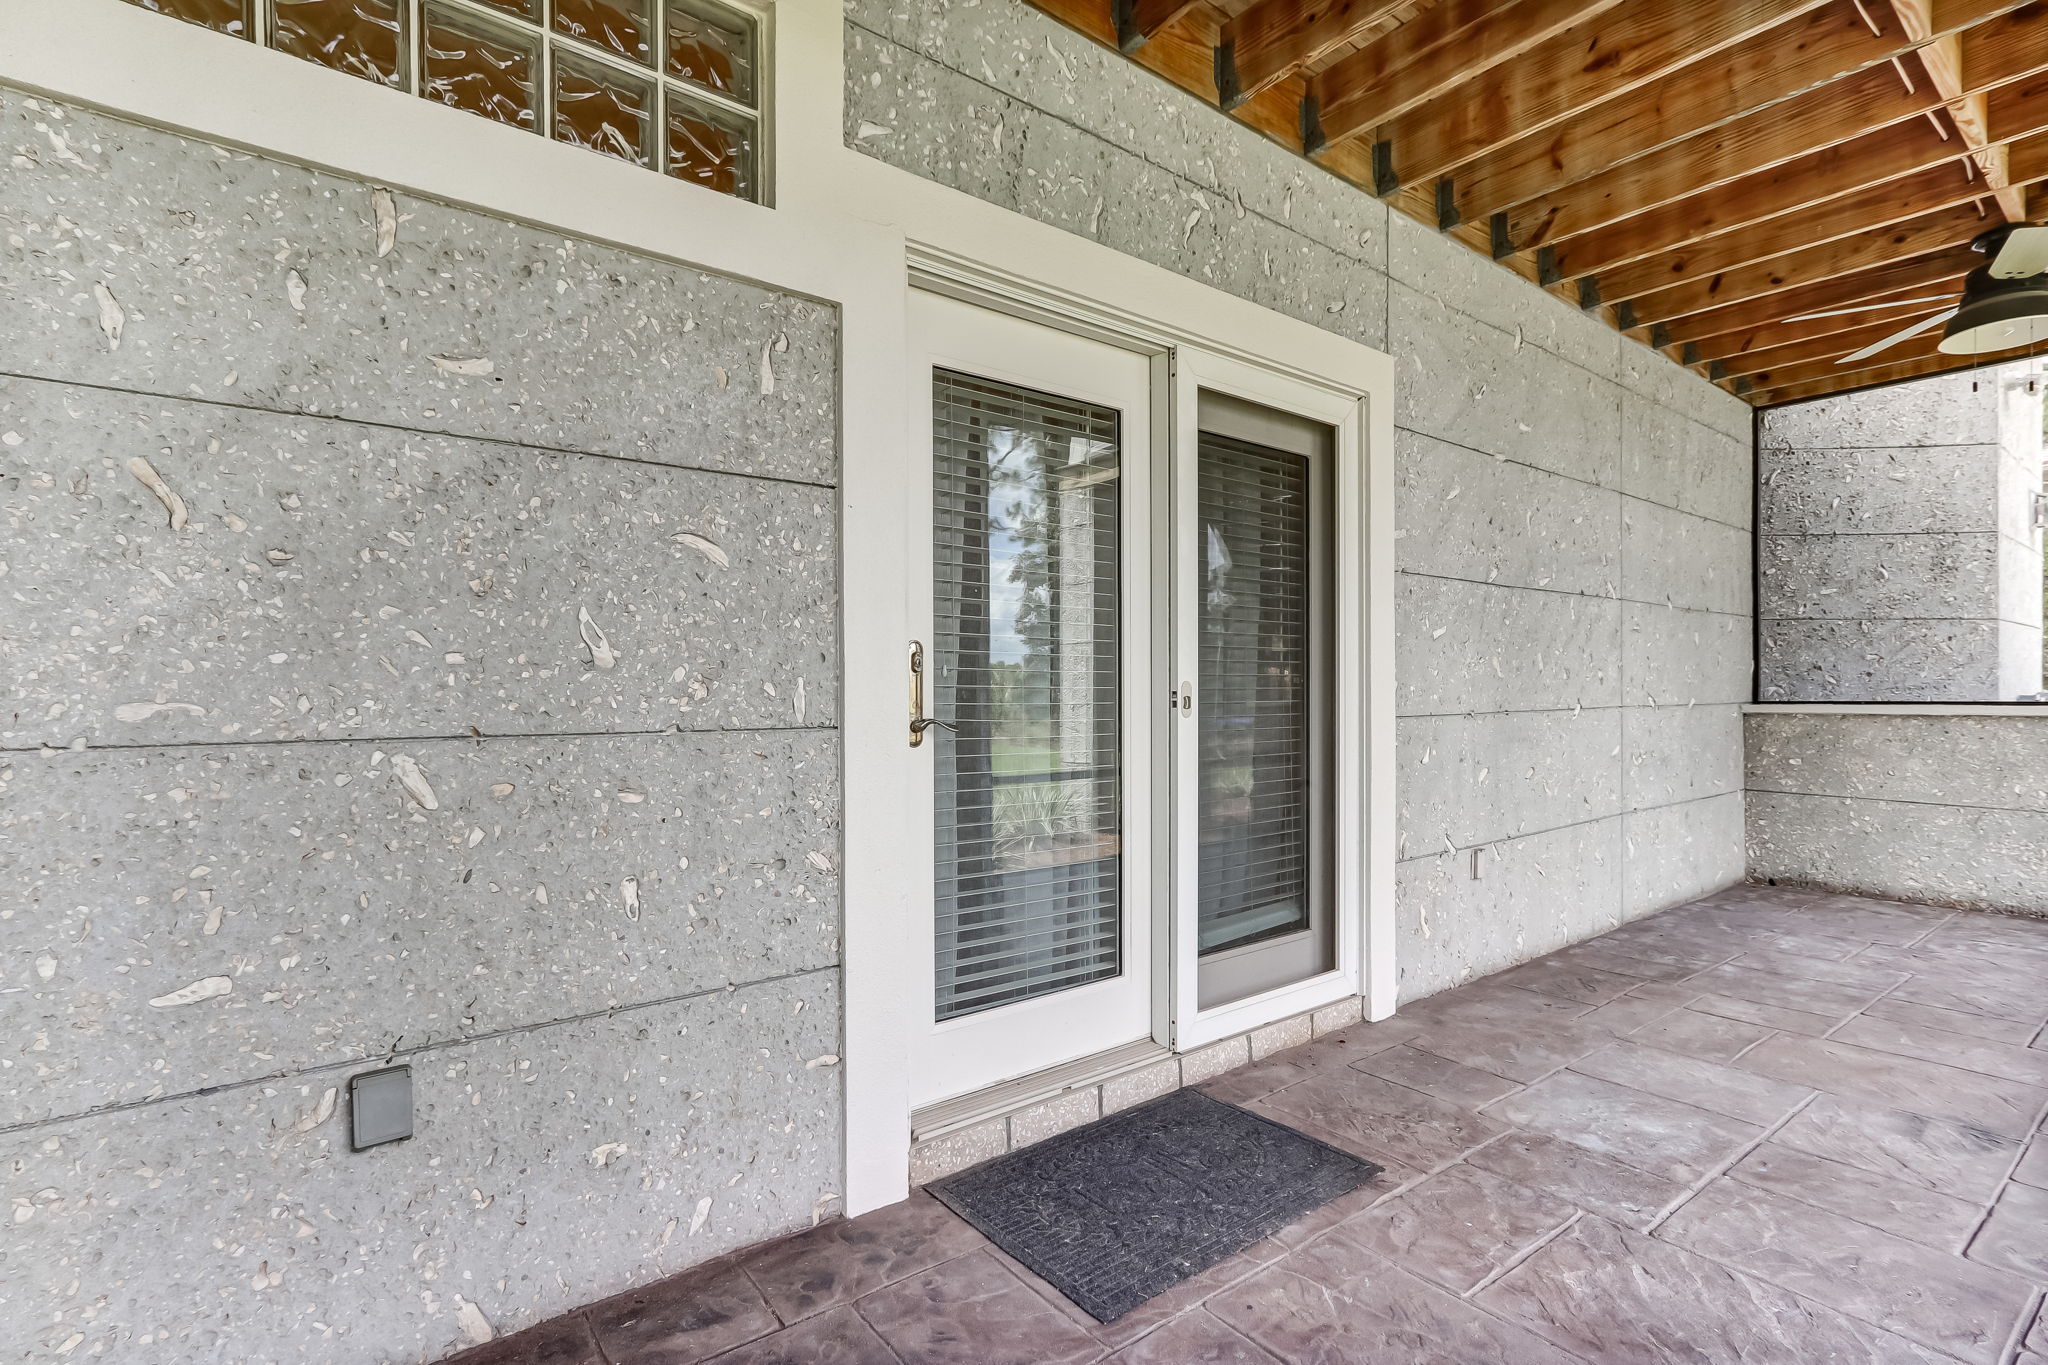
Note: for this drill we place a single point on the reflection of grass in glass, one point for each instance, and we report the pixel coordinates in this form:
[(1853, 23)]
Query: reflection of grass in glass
[(1019, 748)]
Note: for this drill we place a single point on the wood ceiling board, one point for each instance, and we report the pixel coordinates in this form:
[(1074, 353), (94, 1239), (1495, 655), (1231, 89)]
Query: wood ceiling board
[(1877, 157), (1442, 49), (1807, 52), (1938, 187), (1945, 231), (1931, 275), (1921, 350), (2011, 50), (1777, 333), (1621, 50), (1275, 39), (1874, 379), (1829, 346), (1757, 141)]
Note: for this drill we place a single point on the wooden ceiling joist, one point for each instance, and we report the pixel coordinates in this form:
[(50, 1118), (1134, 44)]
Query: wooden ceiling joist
[(1779, 333), (1847, 110), (1933, 276), (1949, 229), (1828, 347), (1816, 199), (1274, 39), (1942, 60), (1937, 187), (1137, 21), (1706, 174), (1621, 50), (1447, 46), (1873, 159), (1889, 374)]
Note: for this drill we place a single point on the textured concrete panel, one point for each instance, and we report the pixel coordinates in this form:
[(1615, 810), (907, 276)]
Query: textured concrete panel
[(549, 1167), (1995, 761), (340, 918), (1650, 375), (1469, 780), (1441, 267), (1672, 657), (335, 579), (469, 325), (1947, 410), (1465, 515), (1533, 896), (1673, 854), (1873, 577), (1941, 661), (1950, 855), (1681, 753), (1679, 461), (1682, 560), (1465, 382), (1039, 63), (1071, 167), (1896, 490), (1478, 647)]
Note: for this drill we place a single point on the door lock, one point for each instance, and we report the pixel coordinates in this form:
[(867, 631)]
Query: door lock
[(919, 721)]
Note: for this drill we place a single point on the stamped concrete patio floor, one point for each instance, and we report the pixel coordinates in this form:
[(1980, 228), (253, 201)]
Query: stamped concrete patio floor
[(1768, 1126)]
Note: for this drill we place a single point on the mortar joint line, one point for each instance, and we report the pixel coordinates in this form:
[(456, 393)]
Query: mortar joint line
[(502, 441), (1722, 1168), (396, 741), (1514, 1262), (385, 1057)]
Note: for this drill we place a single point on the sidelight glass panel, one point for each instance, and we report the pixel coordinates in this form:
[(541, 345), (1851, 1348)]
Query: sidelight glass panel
[(1258, 692), (1026, 633)]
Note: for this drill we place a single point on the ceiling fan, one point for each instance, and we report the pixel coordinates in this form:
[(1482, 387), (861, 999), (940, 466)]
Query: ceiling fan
[(2004, 303)]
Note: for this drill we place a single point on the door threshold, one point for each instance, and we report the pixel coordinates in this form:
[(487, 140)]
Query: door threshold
[(962, 1111)]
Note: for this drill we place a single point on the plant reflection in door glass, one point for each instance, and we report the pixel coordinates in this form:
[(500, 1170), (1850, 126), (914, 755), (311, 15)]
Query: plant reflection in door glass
[(1026, 582)]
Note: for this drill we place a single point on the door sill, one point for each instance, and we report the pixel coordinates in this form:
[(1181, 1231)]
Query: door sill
[(945, 1116)]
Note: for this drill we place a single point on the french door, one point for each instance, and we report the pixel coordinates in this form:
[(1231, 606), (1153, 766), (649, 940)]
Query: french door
[(1035, 679), (1126, 685)]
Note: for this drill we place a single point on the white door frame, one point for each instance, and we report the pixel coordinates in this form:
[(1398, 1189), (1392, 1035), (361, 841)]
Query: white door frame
[(1347, 414), (983, 1049), (846, 229)]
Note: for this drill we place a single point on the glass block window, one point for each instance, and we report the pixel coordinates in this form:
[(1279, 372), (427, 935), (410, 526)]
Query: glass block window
[(672, 85)]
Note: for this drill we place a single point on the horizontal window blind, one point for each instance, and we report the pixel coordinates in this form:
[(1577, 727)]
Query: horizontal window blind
[(1254, 677), (1026, 664)]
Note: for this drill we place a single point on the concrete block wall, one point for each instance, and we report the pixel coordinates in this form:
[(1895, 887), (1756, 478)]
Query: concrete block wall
[(426, 655), (1574, 606), (1897, 556), (1950, 809)]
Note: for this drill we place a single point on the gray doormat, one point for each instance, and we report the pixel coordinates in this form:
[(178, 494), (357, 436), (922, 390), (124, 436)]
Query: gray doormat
[(1129, 1206)]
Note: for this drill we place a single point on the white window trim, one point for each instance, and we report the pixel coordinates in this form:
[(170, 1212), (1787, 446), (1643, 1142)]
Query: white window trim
[(846, 231)]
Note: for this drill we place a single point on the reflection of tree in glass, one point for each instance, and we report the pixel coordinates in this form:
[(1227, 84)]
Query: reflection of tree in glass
[(1030, 473)]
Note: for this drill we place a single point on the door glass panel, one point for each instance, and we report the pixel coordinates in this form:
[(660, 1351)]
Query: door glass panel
[(1026, 500), (1258, 691)]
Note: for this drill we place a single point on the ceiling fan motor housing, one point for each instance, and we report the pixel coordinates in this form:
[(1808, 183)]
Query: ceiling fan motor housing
[(1998, 315)]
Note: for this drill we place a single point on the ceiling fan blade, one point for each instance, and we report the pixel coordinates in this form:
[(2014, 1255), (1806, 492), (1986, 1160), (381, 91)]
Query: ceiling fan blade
[(1870, 308), (2025, 253), (1895, 338)]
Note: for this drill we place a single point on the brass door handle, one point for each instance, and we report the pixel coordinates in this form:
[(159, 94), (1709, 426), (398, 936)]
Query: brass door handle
[(919, 721)]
